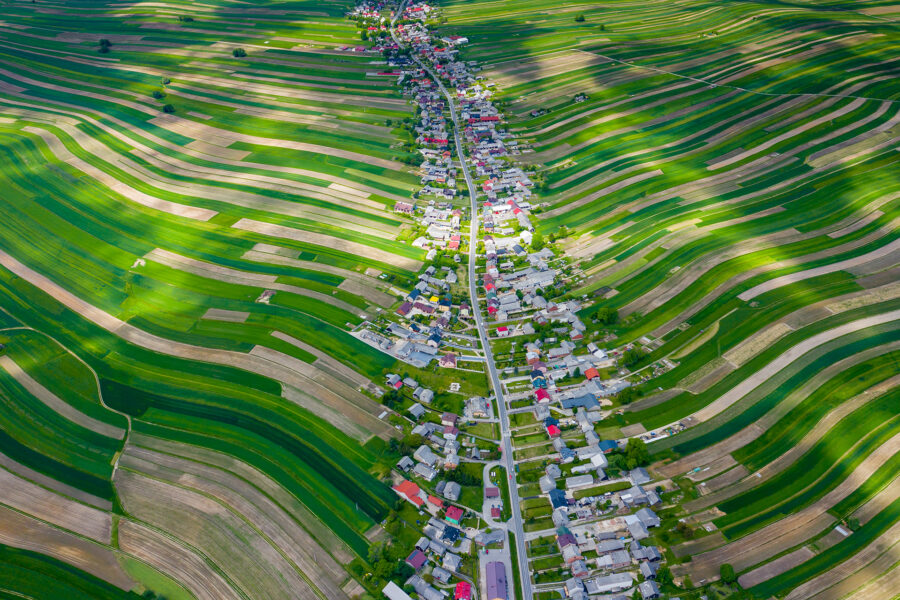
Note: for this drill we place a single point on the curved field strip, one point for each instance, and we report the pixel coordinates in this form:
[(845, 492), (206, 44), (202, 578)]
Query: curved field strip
[(792, 529), (55, 403), (255, 567), (174, 560), (320, 571), (21, 531)]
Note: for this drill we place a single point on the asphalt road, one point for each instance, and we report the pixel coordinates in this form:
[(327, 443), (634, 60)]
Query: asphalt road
[(506, 444)]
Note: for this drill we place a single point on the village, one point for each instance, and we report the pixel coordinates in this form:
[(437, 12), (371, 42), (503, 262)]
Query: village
[(585, 512)]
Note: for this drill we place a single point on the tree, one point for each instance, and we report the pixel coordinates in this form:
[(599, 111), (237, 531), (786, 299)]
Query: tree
[(537, 241), (606, 315), (636, 453), (363, 35), (165, 80), (664, 576), (727, 574), (105, 43), (579, 18), (168, 108), (685, 530), (627, 396), (630, 357), (239, 53), (158, 95)]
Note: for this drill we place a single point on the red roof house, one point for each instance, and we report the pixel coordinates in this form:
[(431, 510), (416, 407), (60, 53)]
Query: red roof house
[(591, 373), (553, 431), (410, 491), (542, 395), (463, 591), (453, 514)]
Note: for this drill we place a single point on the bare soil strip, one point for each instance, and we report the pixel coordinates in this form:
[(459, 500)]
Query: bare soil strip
[(22, 531), (795, 528), (776, 567), (245, 556), (892, 248), (230, 316), (770, 418), (854, 572), (57, 486), (879, 589), (809, 440), (320, 239), (259, 480), (252, 505), (788, 357), (175, 560), (266, 362), (236, 277), (62, 153), (48, 506), (56, 403)]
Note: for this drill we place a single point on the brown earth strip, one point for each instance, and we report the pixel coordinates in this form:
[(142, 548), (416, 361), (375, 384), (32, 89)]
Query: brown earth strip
[(21, 531)]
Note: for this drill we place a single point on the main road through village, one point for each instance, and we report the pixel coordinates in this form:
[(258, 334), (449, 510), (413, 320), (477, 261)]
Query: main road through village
[(505, 442)]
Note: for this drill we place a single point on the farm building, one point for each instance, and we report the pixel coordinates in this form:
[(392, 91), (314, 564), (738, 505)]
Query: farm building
[(416, 559), (392, 591), (495, 575)]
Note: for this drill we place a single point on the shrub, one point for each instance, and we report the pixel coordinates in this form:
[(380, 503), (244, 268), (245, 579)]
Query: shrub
[(165, 80), (168, 108), (579, 18), (239, 53), (105, 43)]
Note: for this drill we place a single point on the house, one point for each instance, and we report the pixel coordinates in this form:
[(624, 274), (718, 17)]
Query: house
[(553, 431), (416, 410), (449, 419), (591, 373), (639, 476), (452, 491), (417, 559), (558, 498), (425, 472), (637, 530), (394, 381), (451, 562), (495, 575), (392, 591), (436, 502), (503, 331), (648, 570), (405, 464), (608, 583), (448, 360), (409, 381), (463, 591), (450, 534), (647, 517), (440, 574), (495, 512), (649, 590), (453, 514), (450, 432), (614, 560), (607, 446), (478, 407), (547, 483), (609, 546), (424, 454), (599, 461), (542, 395), (404, 309), (425, 591), (410, 491), (492, 537), (579, 569), (579, 481)]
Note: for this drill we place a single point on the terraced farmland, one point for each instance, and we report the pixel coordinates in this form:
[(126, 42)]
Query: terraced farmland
[(196, 212), (728, 177)]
